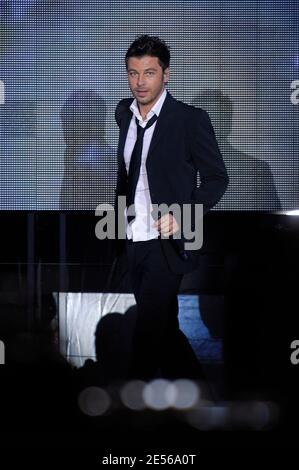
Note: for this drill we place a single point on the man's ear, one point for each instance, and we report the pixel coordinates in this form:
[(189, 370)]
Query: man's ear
[(166, 75)]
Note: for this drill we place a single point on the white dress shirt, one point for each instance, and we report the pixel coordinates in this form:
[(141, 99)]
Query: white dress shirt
[(141, 228)]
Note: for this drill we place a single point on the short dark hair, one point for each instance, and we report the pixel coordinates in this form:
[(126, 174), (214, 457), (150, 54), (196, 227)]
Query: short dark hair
[(152, 46)]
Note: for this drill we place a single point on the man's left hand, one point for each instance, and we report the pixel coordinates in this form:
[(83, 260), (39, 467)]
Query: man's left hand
[(167, 225)]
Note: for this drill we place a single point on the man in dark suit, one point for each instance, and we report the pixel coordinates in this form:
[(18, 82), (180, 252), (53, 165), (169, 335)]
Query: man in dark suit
[(163, 144)]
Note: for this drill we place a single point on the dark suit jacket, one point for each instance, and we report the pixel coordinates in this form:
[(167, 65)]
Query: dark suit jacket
[(182, 144)]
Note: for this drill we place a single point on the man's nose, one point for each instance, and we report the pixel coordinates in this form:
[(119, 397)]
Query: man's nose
[(140, 80)]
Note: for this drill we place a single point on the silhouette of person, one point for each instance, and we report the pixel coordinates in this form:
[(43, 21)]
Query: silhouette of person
[(89, 166), (252, 186), (113, 342)]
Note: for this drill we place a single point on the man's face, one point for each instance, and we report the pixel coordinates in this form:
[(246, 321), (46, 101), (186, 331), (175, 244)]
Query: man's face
[(146, 79)]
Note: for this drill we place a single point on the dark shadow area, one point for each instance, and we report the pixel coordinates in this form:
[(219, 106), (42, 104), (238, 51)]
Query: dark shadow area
[(113, 338), (251, 187), (36, 393), (39, 391), (251, 183), (89, 162)]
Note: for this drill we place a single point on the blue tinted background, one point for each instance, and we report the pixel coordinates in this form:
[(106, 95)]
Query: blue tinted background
[(62, 63)]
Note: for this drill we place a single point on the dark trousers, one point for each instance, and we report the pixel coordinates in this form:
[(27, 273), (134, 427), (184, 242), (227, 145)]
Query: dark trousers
[(158, 343)]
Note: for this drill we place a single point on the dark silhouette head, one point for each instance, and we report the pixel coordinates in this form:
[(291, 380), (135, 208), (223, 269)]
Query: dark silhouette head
[(113, 338), (83, 118), (220, 109)]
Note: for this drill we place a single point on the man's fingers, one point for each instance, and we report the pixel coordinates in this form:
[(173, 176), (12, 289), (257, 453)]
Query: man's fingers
[(163, 221), (167, 233), (166, 224)]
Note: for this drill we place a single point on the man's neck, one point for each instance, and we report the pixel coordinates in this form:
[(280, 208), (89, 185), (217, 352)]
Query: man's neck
[(145, 109)]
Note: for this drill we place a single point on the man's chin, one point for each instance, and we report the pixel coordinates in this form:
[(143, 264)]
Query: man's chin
[(143, 100)]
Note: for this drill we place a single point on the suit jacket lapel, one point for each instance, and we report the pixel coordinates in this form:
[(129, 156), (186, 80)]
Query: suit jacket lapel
[(124, 127), (162, 124)]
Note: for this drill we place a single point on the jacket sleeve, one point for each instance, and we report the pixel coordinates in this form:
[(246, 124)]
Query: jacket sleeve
[(207, 158), (121, 172), (120, 189)]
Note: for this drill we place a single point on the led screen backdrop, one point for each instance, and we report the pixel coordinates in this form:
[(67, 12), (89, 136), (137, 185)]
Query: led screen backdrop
[(62, 73)]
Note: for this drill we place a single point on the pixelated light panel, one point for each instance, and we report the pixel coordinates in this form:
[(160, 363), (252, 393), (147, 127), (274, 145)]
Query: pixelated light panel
[(62, 72)]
